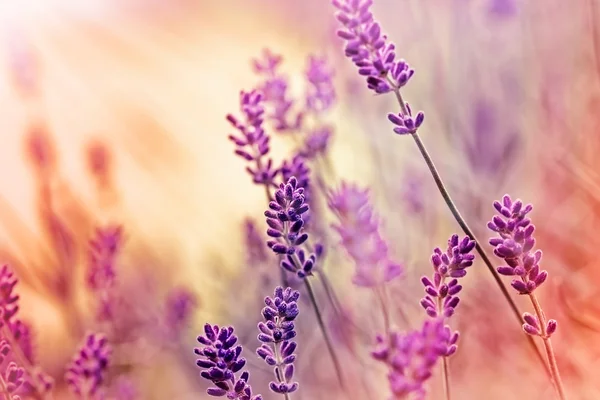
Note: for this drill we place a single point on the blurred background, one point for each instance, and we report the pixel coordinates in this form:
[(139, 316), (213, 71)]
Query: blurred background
[(113, 114)]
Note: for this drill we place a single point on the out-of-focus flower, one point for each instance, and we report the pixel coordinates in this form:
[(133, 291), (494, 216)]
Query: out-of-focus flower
[(320, 95), (253, 142), (316, 142), (275, 89), (86, 373), (8, 299), (180, 304), (411, 357), (358, 227), (276, 334), (220, 360)]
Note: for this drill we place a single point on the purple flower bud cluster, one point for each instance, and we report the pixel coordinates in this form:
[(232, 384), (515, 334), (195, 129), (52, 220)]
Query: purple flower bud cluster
[(220, 360), (286, 227), (441, 297), (317, 142), (253, 143), (368, 48), (179, 306), (532, 326), (358, 227), (13, 376), (515, 245), (320, 95), (276, 334), (411, 357), (103, 251), (86, 373), (406, 124), (275, 90), (8, 299)]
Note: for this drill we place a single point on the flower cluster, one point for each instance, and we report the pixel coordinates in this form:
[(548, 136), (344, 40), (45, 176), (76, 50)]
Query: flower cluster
[(405, 123), (515, 245), (275, 90), (286, 224), (411, 357), (316, 142), (220, 360), (358, 227), (441, 298), (320, 95), (86, 373), (276, 334), (8, 298), (368, 48), (253, 143), (13, 377)]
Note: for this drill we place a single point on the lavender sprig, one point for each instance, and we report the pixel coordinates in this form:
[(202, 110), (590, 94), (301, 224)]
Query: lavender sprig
[(376, 59), (86, 373), (286, 227), (13, 377), (411, 357), (276, 334), (253, 143), (441, 298), (220, 361), (515, 245)]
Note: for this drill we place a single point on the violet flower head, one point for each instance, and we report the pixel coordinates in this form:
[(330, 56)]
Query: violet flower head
[(12, 375), (405, 123), (180, 304), (515, 243), (275, 90), (320, 95), (441, 297), (276, 334), (8, 298), (252, 144), (86, 373), (103, 251), (286, 227), (317, 142), (369, 49), (358, 227), (411, 357), (220, 361)]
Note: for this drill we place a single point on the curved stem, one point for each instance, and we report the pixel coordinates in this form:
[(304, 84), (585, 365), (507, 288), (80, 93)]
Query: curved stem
[(328, 343), (466, 229), (558, 385)]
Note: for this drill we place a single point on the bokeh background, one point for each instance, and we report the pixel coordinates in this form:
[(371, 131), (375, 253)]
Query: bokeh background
[(113, 113)]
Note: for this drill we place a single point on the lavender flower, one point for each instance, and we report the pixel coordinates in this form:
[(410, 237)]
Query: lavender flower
[(515, 245), (8, 299), (320, 95), (253, 142), (358, 228), (103, 251), (12, 377), (275, 90), (367, 47), (86, 373), (276, 333), (449, 264), (411, 357), (180, 304), (405, 123), (286, 226), (220, 361), (316, 143)]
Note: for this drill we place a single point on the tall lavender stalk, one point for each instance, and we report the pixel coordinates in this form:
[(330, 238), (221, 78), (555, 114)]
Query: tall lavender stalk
[(375, 58), (286, 228), (514, 244)]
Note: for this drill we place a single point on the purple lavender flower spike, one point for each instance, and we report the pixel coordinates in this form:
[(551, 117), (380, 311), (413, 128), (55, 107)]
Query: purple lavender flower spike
[(411, 357), (180, 304), (316, 143), (220, 361), (86, 373), (369, 49), (13, 376), (8, 299), (253, 143), (358, 227), (286, 227), (441, 296), (276, 334), (515, 243), (406, 124)]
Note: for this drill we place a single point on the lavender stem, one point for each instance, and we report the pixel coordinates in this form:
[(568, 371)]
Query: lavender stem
[(463, 225), (286, 395), (558, 385), (328, 343)]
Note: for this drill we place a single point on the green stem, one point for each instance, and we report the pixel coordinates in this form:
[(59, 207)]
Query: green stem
[(466, 229), (328, 343)]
